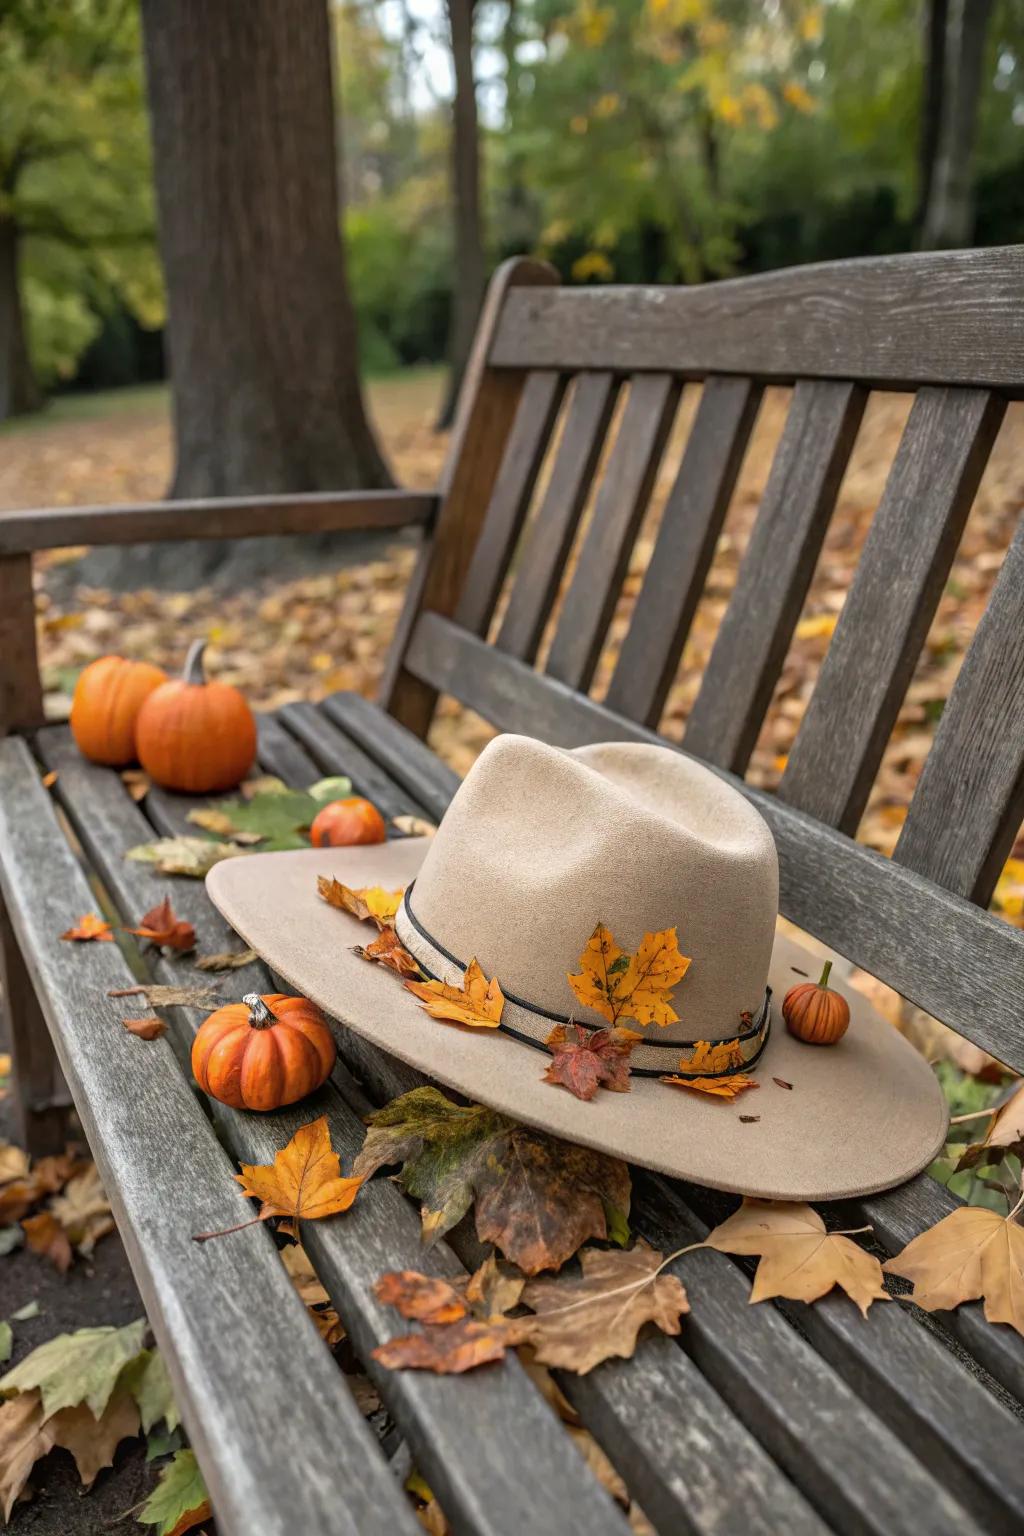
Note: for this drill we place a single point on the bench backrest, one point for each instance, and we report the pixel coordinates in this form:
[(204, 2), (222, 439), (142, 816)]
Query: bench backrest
[(950, 328)]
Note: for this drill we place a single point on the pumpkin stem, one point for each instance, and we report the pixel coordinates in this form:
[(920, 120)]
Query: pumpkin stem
[(825, 974), (193, 670), (260, 1016)]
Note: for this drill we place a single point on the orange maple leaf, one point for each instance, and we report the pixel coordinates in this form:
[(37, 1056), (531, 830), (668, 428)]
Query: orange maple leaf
[(712, 1056), (369, 903), (478, 1001), (717, 1087), (620, 986), (304, 1181), (162, 927), (387, 949), (90, 927), (150, 1028), (426, 1298), (589, 1059)]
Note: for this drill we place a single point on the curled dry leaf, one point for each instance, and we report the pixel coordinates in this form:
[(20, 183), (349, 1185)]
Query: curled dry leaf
[(192, 856), (162, 927), (171, 997), (799, 1258), (230, 960), (48, 1175), (413, 826), (14, 1162), (45, 1236), (971, 1253), (387, 950), (83, 1210), (425, 1298), (621, 986), (492, 1291), (89, 928), (303, 1275), (147, 1029), (304, 1181), (477, 1002), (450, 1349), (370, 903), (715, 1087), (1005, 1135), (137, 782), (588, 1059)]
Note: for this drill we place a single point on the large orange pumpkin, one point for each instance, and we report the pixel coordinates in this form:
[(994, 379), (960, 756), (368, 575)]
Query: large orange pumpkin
[(263, 1052), (105, 707), (196, 736)]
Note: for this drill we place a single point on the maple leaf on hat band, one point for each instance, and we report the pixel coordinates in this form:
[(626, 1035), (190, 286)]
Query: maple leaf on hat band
[(622, 986)]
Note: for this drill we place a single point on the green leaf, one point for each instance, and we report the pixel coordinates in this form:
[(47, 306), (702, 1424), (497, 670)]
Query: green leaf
[(30, 1309), (179, 1494), (75, 1368), (326, 790), (6, 1341), (162, 1442), (280, 820), (10, 1238), (147, 1380)]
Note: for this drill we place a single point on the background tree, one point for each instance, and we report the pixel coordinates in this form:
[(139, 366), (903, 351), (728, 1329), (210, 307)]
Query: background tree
[(949, 212), (470, 275), (262, 332)]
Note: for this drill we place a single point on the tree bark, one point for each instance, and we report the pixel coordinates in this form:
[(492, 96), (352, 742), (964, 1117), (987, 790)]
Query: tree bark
[(19, 393), (469, 270), (936, 20), (261, 329), (949, 220)]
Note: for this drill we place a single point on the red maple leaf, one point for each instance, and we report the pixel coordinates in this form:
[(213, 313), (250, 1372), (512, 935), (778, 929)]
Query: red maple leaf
[(162, 927), (589, 1059)]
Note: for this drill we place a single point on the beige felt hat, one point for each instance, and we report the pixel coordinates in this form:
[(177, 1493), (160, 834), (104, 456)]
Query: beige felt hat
[(538, 847)]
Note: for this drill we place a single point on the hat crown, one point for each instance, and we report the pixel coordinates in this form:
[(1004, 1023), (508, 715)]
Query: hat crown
[(540, 845)]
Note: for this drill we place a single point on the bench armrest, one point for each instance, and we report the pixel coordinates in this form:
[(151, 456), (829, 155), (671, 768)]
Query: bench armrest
[(217, 518)]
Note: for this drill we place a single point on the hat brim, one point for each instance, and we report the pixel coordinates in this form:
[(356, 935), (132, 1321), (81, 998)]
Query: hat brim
[(850, 1119)]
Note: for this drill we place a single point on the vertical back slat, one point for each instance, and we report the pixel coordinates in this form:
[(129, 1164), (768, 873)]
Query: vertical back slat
[(549, 537), (969, 801), (619, 509), (510, 500), (683, 551), (776, 572), (891, 602)]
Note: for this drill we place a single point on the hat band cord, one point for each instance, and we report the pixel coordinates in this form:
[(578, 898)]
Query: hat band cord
[(748, 1044)]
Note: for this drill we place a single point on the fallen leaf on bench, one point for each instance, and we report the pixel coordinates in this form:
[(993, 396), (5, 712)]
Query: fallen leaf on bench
[(717, 1087), (477, 1002), (1005, 1136), (450, 1349), (172, 997), (588, 1059), (304, 1182), (192, 856), (89, 927), (146, 1029), (369, 903), (493, 1291), (413, 826), (230, 960), (180, 1500), (621, 986), (74, 1368), (303, 1276), (137, 782), (276, 819), (264, 784), (425, 1298), (387, 950), (799, 1258), (536, 1198), (162, 927), (973, 1252)]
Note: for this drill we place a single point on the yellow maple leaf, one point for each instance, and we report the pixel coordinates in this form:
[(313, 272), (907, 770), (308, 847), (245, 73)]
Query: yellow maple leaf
[(304, 1181), (369, 903), (478, 1001), (718, 1087), (620, 986), (713, 1056), (799, 1259), (972, 1252)]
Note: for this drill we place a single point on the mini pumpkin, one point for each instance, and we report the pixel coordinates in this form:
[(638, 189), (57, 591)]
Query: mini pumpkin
[(814, 1013), (343, 823), (193, 735), (263, 1052), (105, 707)]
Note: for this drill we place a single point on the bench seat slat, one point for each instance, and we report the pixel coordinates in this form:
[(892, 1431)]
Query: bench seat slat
[(334, 753), (271, 1420), (408, 760)]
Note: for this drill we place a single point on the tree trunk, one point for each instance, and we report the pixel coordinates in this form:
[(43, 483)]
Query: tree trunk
[(19, 392), (469, 273), (262, 332), (949, 220), (936, 21)]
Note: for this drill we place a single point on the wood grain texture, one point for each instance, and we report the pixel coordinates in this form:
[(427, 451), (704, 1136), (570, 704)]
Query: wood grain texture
[(969, 800), (21, 694), (335, 752), (958, 963), (407, 759), (278, 753), (775, 574), (939, 318), (618, 511), (271, 1420), (216, 518), (510, 500), (487, 406), (545, 548), (684, 548), (891, 603)]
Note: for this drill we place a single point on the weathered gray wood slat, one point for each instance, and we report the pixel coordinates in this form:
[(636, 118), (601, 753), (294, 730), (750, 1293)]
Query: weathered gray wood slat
[(969, 800), (334, 752), (549, 535), (510, 499), (275, 1429), (890, 604), (278, 753), (618, 511), (959, 964), (404, 756), (939, 318), (775, 573), (684, 548), (492, 1455)]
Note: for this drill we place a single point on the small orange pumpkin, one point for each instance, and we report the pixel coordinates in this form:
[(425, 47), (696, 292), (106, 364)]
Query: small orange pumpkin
[(814, 1013), (343, 823), (263, 1052), (195, 736), (105, 707)]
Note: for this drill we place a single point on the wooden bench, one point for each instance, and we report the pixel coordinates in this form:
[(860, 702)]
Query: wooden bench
[(759, 1419)]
